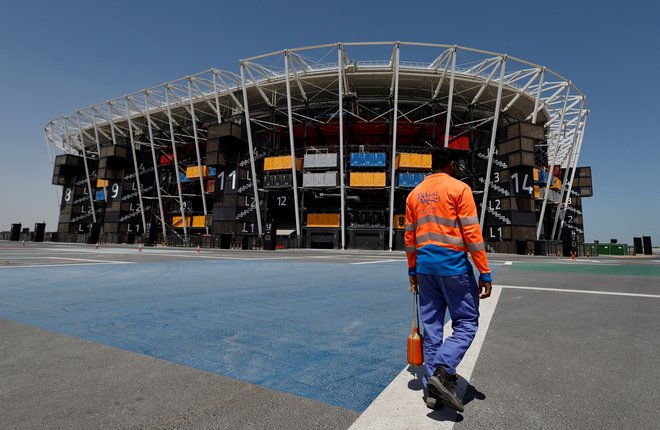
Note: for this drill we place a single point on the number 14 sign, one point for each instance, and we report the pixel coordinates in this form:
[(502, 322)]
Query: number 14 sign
[(522, 181)]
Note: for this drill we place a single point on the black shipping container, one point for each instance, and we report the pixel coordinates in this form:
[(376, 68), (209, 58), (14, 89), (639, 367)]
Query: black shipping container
[(15, 232), (648, 248), (39, 231)]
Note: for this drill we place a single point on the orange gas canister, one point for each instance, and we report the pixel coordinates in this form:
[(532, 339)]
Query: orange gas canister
[(415, 354)]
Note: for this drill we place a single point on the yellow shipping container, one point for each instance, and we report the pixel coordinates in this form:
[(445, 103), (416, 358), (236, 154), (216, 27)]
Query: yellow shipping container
[(413, 161), (367, 179), (198, 221), (192, 172), (178, 223), (100, 183), (282, 162)]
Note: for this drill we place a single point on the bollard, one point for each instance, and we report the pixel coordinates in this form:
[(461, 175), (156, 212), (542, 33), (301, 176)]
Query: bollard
[(198, 250)]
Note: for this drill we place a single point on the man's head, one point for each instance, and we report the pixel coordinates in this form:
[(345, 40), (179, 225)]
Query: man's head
[(443, 160)]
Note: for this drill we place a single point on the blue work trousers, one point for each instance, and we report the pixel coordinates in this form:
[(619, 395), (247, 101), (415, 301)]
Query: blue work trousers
[(460, 295)]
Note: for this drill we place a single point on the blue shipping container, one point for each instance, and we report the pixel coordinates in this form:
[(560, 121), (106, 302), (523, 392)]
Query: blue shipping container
[(410, 180), (367, 159)]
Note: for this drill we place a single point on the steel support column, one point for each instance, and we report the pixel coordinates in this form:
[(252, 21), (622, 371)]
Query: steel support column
[(451, 95), (137, 170), (98, 151), (493, 135), (193, 117), (340, 80), (89, 181), (155, 161), (176, 163), (394, 135), (253, 168), (569, 167), (538, 96), (291, 143), (575, 163), (217, 98), (552, 165)]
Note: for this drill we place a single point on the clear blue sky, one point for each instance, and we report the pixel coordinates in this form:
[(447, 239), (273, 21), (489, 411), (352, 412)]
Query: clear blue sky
[(60, 56)]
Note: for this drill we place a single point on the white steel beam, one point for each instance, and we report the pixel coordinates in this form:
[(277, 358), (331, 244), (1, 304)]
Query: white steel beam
[(575, 163), (292, 144), (552, 167), (493, 135), (137, 170), (246, 109), (155, 161), (521, 91), (176, 163), (486, 83), (567, 170), (396, 55), (340, 83), (436, 92), (193, 117), (89, 181), (549, 100), (217, 98), (255, 82), (451, 96), (98, 149)]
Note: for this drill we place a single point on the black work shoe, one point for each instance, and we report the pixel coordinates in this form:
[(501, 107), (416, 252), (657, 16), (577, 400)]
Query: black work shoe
[(433, 403), (441, 387)]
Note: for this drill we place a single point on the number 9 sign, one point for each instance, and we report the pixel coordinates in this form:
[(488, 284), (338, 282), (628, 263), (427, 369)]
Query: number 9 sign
[(114, 191)]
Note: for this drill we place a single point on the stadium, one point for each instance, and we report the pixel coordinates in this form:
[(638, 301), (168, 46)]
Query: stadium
[(318, 147)]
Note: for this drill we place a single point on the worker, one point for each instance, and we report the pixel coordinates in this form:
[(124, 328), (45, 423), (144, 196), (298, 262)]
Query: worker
[(441, 227)]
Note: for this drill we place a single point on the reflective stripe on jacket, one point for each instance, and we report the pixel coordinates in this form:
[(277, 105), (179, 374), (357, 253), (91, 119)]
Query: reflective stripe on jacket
[(442, 226)]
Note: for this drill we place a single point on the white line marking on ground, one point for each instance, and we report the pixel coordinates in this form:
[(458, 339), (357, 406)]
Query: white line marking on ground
[(377, 261), (401, 407), (34, 266), (508, 263), (566, 290), (87, 260)]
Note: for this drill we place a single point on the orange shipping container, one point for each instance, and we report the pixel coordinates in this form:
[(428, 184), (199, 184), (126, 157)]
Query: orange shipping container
[(282, 162), (178, 223), (413, 161), (323, 220), (367, 179), (192, 172)]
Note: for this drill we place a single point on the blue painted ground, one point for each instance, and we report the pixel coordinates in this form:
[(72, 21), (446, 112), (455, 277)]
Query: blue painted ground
[(330, 332)]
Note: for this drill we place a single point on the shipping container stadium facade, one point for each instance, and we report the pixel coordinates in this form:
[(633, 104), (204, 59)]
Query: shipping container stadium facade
[(319, 146)]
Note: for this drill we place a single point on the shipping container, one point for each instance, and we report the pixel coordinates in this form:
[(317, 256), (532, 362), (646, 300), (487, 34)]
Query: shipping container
[(413, 161), (323, 220), (282, 162), (367, 179), (367, 159), (192, 172), (320, 160)]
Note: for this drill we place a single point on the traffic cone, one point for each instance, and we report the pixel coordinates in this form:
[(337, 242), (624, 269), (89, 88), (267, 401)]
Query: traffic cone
[(197, 250)]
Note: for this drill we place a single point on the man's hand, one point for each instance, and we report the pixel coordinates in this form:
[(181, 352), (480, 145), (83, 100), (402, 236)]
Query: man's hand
[(485, 288), (413, 283)]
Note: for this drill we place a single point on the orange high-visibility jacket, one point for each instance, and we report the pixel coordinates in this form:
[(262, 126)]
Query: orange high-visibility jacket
[(441, 227)]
